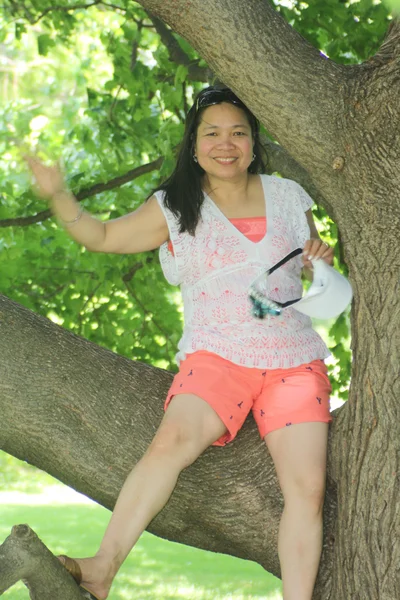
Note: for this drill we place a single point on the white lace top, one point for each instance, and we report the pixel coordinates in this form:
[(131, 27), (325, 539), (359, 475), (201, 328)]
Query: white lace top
[(215, 268)]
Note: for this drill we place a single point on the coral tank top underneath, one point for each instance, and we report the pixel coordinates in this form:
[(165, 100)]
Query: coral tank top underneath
[(254, 228)]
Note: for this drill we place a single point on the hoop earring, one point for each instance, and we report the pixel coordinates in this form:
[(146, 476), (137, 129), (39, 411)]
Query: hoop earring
[(195, 158), (254, 157)]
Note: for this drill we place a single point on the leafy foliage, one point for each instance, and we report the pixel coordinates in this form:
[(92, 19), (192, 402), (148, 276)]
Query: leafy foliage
[(16, 475), (96, 88), (347, 31)]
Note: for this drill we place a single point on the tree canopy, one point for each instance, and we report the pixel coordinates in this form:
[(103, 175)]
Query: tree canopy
[(105, 88)]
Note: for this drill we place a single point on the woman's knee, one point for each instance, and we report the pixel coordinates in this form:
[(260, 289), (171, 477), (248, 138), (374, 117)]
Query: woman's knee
[(174, 442), (307, 489)]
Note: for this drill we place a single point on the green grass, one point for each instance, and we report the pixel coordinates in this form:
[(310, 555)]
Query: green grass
[(155, 570)]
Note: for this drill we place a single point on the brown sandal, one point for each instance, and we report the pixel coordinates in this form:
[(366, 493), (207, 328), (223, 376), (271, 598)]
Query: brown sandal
[(74, 570)]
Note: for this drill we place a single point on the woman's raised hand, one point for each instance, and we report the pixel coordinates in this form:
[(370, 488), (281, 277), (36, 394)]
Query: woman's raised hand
[(48, 181)]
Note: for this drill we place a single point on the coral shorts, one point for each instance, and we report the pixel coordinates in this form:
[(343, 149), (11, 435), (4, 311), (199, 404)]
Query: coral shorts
[(277, 397)]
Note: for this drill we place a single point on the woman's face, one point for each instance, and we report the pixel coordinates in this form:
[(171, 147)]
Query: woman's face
[(224, 142)]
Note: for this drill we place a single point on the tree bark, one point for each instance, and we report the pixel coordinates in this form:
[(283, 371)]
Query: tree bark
[(86, 416), (24, 556), (341, 123)]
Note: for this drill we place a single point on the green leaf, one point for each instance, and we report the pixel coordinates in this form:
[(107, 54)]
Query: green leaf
[(3, 34), (104, 121), (180, 75), (20, 29), (394, 6), (45, 42)]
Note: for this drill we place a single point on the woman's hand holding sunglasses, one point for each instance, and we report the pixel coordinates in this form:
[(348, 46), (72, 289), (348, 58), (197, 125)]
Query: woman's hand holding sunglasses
[(316, 248)]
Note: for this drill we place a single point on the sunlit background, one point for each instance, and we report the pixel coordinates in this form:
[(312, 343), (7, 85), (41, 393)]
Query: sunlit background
[(95, 88)]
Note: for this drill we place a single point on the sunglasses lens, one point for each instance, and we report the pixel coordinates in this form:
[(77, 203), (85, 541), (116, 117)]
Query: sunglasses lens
[(262, 308), (208, 98)]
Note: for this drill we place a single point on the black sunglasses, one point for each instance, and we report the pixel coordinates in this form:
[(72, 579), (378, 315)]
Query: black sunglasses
[(211, 97), (263, 306)]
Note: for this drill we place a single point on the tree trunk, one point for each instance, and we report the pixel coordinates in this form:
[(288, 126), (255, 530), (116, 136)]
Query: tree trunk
[(341, 123), (86, 415)]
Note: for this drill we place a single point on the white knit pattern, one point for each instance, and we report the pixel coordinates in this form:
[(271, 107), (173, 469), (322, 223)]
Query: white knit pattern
[(215, 269)]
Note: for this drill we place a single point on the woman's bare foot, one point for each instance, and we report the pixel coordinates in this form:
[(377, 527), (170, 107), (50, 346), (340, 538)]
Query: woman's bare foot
[(96, 573)]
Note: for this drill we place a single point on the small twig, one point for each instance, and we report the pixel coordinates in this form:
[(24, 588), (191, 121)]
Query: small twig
[(63, 9), (114, 6), (147, 313), (135, 268), (135, 47), (179, 56), (114, 102), (185, 102), (93, 274), (53, 293), (90, 296), (71, 8), (127, 279)]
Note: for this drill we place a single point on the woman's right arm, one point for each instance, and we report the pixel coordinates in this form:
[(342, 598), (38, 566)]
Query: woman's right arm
[(141, 230)]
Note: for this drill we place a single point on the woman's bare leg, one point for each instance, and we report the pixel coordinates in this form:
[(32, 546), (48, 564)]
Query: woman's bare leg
[(299, 455), (189, 426)]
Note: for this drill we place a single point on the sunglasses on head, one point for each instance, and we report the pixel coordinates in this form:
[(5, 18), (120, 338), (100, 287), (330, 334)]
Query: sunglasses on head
[(263, 306), (211, 97)]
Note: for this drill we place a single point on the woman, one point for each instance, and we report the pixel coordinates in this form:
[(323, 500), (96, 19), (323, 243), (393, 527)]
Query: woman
[(219, 225)]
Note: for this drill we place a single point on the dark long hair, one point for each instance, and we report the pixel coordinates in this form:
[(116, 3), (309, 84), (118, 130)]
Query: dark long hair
[(183, 190)]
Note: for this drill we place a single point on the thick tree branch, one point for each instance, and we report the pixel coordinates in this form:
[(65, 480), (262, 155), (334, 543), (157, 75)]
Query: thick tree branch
[(272, 68), (23, 556), (279, 161), (390, 48), (177, 55), (338, 122), (277, 158), (95, 414), (87, 193)]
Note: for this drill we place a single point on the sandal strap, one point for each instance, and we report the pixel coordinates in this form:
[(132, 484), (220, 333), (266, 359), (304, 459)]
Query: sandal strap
[(72, 567)]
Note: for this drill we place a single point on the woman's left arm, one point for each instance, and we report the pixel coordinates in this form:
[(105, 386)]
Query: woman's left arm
[(315, 247)]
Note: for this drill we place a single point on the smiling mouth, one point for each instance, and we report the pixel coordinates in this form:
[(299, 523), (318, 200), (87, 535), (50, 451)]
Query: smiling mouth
[(225, 161)]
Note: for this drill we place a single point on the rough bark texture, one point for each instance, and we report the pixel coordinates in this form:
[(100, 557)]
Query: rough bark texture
[(342, 125), (24, 556), (86, 415), (70, 407)]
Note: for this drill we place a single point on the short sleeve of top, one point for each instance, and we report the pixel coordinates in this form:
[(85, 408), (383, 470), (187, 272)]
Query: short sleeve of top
[(301, 197), (301, 202), (173, 265)]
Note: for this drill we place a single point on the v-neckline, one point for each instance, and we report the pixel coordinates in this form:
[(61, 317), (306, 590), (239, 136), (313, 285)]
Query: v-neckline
[(231, 226)]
